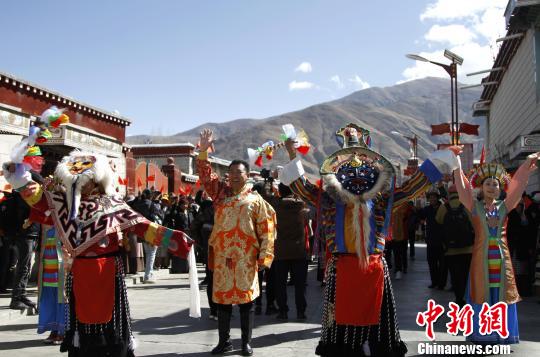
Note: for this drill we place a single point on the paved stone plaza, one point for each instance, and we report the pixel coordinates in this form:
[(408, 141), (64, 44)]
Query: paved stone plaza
[(163, 328)]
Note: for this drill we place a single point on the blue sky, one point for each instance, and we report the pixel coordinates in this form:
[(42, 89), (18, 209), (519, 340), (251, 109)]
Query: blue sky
[(172, 65)]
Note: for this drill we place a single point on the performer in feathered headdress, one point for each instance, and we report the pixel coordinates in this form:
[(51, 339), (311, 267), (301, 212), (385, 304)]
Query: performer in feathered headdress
[(491, 277), (89, 220), (355, 202)]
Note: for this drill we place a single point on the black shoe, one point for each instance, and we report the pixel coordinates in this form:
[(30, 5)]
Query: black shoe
[(25, 300), (204, 282), (224, 329), (290, 283), (301, 316), (18, 305), (258, 310), (440, 288), (432, 286), (282, 316), (222, 347), (247, 350), (270, 310)]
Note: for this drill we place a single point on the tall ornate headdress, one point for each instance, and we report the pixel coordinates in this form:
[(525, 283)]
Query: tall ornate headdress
[(491, 170), (360, 170)]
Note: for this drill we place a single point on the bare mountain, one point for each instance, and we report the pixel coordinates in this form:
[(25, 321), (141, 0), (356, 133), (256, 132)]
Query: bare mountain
[(408, 107)]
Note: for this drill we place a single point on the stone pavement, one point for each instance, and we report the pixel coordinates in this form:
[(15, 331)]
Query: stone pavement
[(163, 328)]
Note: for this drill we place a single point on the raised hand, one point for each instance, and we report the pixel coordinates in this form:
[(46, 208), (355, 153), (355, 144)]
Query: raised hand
[(532, 161), (206, 140), (456, 149), (290, 145)]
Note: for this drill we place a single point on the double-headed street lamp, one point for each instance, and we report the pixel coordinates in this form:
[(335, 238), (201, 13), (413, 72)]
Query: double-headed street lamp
[(412, 162), (451, 69), (413, 142)]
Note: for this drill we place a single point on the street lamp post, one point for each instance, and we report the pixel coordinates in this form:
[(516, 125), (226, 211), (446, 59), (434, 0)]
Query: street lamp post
[(412, 163), (451, 69)]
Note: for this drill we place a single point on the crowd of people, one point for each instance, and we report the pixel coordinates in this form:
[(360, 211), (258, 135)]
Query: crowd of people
[(446, 227), (357, 223)]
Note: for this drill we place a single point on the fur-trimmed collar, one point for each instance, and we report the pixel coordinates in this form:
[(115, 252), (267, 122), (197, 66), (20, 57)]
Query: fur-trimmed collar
[(333, 187)]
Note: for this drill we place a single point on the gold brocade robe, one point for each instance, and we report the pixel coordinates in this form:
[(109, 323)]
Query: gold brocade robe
[(242, 240)]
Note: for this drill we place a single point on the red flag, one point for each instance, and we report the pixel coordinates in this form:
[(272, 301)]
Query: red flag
[(483, 155), (468, 129), (139, 182), (122, 181), (181, 191), (440, 129), (198, 184), (188, 190), (161, 189), (151, 178)]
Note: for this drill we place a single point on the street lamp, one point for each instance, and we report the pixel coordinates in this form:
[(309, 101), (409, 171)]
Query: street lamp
[(451, 69), (412, 162), (413, 141)]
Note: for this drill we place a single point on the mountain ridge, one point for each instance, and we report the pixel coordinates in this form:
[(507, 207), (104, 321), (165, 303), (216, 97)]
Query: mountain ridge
[(409, 107)]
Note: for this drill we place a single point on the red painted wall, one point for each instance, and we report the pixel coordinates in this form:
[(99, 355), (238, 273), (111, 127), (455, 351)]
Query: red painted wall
[(35, 104)]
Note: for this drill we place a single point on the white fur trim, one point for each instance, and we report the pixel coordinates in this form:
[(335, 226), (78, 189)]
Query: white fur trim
[(291, 172), (333, 187), (101, 173), (361, 251)]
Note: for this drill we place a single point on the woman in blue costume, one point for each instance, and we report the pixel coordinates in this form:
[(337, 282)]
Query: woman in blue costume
[(491, 277), (51, 288)]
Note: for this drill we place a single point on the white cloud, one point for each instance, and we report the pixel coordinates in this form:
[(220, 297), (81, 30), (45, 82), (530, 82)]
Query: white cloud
[(459, 9), (451, 34), (358, 82), (491, 24), (467, 28), (339, 83), (295, 85), (304, 67)]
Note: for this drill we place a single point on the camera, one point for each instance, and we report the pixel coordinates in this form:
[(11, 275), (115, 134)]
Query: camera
[(265, 174)]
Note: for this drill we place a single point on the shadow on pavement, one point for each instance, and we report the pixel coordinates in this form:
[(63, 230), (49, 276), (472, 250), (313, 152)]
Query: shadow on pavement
[(16, 345), (17, 327)]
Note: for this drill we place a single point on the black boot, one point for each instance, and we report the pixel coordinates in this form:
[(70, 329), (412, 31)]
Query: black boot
[(224, 329), (246, 325)]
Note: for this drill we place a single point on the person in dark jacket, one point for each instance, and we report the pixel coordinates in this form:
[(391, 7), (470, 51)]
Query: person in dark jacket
[(150, 211), (522, 235), (435, 250), (25, 235), (201, 228), (290, 251)]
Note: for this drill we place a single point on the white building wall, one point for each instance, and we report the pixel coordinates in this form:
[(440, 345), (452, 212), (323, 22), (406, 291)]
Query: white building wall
[(514, 110)]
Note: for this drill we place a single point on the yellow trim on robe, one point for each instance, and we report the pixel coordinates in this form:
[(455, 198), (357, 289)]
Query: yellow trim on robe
[(203, 156), (350, 232), (151, 233), (35, 197)]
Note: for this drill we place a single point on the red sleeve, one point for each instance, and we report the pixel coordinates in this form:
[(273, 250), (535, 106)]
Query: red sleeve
[(177, 242)]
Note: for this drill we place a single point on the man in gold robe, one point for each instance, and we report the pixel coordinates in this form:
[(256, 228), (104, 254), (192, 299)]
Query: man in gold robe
[(241, 243)]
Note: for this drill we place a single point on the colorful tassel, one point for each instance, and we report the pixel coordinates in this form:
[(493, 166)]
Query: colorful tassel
[(259, 161)]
